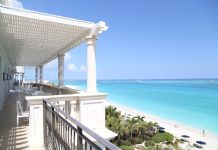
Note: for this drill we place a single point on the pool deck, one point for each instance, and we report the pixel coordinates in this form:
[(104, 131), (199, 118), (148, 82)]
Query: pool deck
[(11, 136)]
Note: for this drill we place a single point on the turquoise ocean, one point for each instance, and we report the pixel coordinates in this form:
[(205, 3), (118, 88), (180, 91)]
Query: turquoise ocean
[(189, 102)]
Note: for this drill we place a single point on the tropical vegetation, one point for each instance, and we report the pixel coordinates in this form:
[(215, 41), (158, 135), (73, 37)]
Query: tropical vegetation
[(133, 130)]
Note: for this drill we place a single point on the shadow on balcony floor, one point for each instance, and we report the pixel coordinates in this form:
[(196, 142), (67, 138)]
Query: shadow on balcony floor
[(11, 136)]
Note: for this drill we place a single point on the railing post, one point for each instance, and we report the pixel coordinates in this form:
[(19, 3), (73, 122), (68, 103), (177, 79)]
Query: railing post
[(67, 107), (79, 139), (44, 124), (59, 136), (53, 127)]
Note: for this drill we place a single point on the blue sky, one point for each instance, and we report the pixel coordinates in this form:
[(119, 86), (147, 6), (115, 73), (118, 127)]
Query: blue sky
[(146, 39)]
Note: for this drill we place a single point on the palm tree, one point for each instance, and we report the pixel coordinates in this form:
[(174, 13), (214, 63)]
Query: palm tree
[(112, 112), (140, 118), (142, 126), (131, 123), (122, 133)]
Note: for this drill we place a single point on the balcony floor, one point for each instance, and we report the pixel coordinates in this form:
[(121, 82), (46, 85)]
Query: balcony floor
[(11, 136)]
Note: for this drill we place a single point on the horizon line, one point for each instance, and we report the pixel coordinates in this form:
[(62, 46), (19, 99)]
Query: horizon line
[(141, 79)]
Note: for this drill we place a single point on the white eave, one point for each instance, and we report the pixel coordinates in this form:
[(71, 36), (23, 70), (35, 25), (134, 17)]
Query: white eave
[(32, 38)]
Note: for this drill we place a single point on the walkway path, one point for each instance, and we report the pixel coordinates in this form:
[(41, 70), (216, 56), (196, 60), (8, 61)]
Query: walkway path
[(12, 137)]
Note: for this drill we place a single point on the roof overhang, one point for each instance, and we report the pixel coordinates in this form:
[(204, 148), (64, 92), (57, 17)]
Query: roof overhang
[(33, 39)]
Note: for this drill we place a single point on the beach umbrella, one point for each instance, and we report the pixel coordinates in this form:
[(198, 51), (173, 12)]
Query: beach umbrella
[(201, 142), (185, 136), (161, 128)]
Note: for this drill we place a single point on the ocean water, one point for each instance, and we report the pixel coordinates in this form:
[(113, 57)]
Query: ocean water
[(190, 102)]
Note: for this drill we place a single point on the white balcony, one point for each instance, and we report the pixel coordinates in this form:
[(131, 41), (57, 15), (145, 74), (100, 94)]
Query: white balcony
[(29, 38), (84, 111)]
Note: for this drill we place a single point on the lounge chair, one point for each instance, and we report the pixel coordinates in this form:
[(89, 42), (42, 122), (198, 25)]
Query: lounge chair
[(20, 112), (197, 145), (185, 138)]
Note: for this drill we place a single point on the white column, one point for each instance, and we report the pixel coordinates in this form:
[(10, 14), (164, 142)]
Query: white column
[(18, 79), (36, 75), (41, 74), (91, 65), (60, 70)]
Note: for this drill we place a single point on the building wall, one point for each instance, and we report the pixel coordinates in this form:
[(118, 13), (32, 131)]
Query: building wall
[(6, 2), (5, 66)]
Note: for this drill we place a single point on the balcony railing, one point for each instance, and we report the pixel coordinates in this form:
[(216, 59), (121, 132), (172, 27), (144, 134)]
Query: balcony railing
[(61, 131)]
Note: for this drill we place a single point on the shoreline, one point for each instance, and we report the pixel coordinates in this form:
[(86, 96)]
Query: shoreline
[(177, 129), (173, 127)]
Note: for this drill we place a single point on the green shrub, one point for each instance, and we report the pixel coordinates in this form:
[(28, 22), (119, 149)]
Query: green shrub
[(179, 141), (138, 140), (133, 130), (125, 142), (150, 148), (161, 137), (176, 143), (126, 147), (149, 143)]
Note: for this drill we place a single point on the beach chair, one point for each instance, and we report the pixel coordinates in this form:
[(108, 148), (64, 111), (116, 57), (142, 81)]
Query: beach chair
[(197, 145), (20, 112), (185, 138)]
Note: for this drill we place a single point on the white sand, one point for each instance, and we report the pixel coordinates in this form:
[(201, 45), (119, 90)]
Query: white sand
[(174, 128)]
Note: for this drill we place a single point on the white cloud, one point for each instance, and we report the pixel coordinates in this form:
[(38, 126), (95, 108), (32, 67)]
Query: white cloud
[(68, 65), (17, 4), (82, 68), (67, 56), (71, 67), (52, 64)]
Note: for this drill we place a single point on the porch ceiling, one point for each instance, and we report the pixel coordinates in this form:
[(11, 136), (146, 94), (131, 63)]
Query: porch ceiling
[(33, 39)]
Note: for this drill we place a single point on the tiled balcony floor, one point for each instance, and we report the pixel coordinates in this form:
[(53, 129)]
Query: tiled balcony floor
[(11, 136)]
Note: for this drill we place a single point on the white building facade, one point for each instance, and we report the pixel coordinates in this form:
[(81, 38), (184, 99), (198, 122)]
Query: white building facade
[(29, 38)]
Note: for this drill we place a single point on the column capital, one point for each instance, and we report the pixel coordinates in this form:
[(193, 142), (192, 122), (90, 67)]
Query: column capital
[(91, 40), (59, 55)]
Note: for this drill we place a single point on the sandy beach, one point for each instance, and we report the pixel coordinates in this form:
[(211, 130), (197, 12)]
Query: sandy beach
[(175, 128)]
